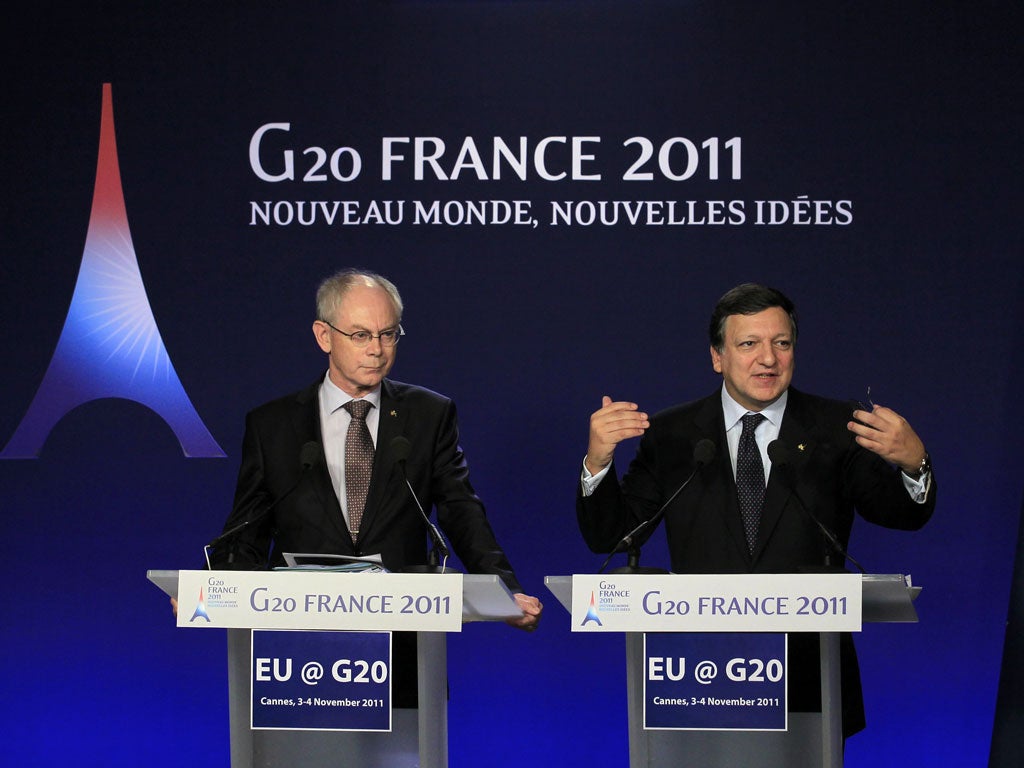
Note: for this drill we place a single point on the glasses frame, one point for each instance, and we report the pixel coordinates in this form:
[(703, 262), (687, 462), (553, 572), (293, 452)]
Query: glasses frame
[(379, 336)]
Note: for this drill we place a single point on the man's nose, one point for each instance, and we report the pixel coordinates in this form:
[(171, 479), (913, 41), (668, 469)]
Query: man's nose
[(767, 354)]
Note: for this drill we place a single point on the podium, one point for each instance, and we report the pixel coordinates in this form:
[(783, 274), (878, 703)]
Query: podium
[(428, 604), (810, 739)]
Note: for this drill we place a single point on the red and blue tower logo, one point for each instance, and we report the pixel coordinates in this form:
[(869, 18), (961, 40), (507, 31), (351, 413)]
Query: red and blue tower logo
[(592, 613), (200, 611), (110, 346)]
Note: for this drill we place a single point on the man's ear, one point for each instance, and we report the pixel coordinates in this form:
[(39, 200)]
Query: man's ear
[(716, 360), (322, 334)]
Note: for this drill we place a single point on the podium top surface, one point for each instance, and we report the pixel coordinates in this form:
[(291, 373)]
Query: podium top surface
[(485, 597), (886, 597)]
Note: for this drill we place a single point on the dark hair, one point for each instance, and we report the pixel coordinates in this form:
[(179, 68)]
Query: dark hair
[(747, 299)]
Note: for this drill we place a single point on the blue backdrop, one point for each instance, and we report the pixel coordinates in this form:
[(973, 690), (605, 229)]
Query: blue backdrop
[(888, 137)]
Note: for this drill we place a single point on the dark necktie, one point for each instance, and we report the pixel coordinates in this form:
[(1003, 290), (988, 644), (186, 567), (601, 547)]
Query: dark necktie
[(358, 463), (750, 478)]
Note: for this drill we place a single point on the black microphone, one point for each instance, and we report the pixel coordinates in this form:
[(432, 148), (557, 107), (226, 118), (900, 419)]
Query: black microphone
[(400, 448), (310, 455), (703, 453), (780, 456)]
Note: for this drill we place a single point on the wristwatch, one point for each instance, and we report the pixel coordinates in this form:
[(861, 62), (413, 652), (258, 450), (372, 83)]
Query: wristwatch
[(921, 471)]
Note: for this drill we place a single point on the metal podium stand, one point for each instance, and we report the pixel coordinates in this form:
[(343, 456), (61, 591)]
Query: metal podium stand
[(812, 739), (419, 737)]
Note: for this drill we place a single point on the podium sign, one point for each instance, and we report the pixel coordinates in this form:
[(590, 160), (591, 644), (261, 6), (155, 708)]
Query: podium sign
[(428, 604), (289, 600), (782, 602), (635, 604), (327, 681), (714, 681)]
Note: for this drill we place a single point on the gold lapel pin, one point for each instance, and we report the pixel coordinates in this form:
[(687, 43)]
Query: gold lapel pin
[(394, 413), (801, 447)]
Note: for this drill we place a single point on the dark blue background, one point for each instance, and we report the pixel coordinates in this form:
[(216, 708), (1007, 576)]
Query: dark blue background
[(911, 112)]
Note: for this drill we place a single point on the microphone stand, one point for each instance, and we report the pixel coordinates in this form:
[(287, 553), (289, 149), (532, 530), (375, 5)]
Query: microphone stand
[(703, 452), (438, 555), (309, 456), (779, 455), (632, 565)]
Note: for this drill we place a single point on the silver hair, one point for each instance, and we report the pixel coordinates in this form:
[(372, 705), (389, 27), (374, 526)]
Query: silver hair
[(332, 291)]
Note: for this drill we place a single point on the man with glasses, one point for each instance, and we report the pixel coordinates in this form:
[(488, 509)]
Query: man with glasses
[(741, 514), (350, 496)]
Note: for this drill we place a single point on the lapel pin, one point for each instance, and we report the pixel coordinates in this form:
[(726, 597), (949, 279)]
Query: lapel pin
[(801, 447), (393, 413)]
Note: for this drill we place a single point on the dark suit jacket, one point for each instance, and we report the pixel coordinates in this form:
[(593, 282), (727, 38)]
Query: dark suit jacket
[(308, 519), (831, 474)]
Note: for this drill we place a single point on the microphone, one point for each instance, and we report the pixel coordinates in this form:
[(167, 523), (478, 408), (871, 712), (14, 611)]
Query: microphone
[(310, 456), (780, 456), (703, 453), (400, 448)]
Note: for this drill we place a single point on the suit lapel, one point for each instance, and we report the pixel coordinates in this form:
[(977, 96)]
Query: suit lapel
[(711, 422), (797, 428), (391, 423), (307, 426)]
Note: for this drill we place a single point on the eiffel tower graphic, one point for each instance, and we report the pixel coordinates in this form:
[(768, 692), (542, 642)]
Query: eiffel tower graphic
[(110, 346)]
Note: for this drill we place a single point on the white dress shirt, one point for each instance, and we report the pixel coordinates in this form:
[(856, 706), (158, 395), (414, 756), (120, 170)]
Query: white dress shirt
[(334, 421)]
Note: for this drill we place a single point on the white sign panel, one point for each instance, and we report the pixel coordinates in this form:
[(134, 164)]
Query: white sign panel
[(717, 603), (320, 600)]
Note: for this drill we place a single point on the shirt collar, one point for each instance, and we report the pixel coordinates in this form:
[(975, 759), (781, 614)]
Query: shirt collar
[(334, 397), (733, 411)]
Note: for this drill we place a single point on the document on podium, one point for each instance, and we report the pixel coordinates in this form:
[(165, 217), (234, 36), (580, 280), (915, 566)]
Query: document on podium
[(324, 562)]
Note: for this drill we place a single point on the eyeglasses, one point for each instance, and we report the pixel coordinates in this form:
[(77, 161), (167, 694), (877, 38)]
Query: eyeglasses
[(387, 338), (869, 406)]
